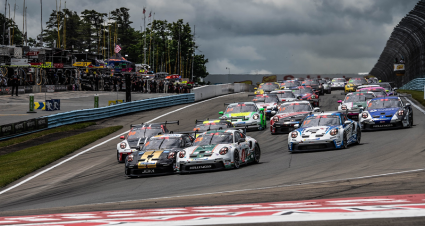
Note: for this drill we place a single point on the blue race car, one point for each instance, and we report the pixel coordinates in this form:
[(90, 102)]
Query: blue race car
[(386, 112), (324, 131)]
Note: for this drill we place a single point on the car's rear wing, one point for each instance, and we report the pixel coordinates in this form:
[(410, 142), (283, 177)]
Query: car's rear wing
[(156, 123)]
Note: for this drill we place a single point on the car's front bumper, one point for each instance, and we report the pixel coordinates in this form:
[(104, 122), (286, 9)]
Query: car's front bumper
[(134, 171), (378, 125), (248, 124), (314, 146), (279, 127), (203, 165), (337, 87)]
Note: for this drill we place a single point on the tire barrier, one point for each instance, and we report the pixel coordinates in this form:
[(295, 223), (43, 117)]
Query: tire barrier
[(405, 43)]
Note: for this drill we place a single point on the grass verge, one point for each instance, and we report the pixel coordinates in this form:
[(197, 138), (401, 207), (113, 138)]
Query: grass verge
[(417, 95), (18, 164), (33, 136)]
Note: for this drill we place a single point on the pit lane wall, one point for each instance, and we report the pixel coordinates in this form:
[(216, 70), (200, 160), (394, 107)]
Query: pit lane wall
[(205, 92), (38, 124)]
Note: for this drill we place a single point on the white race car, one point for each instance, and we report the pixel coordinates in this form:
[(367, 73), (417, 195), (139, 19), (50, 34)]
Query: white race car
[(324, 131), (216, 150), (285, 95), (338, 83)]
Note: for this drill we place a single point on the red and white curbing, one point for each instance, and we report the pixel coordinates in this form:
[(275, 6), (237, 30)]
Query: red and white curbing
[(310, 210)]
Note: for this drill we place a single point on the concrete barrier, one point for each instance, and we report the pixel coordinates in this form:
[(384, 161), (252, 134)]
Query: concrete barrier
[(205, 92)]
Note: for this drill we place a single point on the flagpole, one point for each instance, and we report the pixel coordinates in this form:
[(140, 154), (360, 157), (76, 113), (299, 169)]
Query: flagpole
[(144, 26)]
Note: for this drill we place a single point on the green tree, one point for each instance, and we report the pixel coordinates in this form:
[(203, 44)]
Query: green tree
[(92, 29)]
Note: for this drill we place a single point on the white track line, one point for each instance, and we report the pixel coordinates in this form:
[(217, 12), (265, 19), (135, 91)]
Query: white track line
[(104, 142), (414, 105)]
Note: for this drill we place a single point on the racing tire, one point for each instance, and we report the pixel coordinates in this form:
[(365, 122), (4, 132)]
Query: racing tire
[(118, 158), (359, 136), (257, 154), (344, 141), (236, 160), (126, 171), (410, 125)]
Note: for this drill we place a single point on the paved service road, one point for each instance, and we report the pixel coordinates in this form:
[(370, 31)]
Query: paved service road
[(14, 109), (96, 177)]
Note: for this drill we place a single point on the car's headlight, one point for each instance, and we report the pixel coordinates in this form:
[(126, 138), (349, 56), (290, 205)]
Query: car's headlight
[(123, 145), (223, 117), (256, 116), (344, 107), (182, 154), (130, 158), (400, 113), (171, 155), (348, 86), (275, 119), (364, 115), (334, 132), (294, 134), (223, 151)]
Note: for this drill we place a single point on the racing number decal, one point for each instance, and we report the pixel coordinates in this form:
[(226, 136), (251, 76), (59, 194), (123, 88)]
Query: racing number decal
[(131, 133)]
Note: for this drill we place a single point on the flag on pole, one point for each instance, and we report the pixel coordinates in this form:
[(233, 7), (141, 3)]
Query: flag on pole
[(150, 13), (117, 49), (144, 10)]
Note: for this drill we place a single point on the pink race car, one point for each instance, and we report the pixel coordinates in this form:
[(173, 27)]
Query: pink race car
[(378, 91)]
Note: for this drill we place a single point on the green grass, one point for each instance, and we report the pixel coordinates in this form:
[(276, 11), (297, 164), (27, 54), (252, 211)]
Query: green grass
[(18, 164), (417, 95), (33, 136)]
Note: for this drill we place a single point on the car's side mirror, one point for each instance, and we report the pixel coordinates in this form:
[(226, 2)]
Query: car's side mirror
[(339, 101), (255, 88), (241, 140), (408, 104), (395, 88), (122, 137), (361, 108), (296, 126), (347, 122), (221, 112), (316, 109)]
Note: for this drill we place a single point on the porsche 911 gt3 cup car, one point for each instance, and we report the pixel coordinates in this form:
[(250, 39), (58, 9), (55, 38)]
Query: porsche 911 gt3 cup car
[(352, 84), (285, 95), (386, 112), (290, 114), (324, 131), (338, 83), (289, 83), (378, 91), (216, 150), (315, 85), (326, 85), (269, 103), (247, 115), (137, 136), (267, 87), (354, 103), (307, 93), (158, 155), (206, 125)]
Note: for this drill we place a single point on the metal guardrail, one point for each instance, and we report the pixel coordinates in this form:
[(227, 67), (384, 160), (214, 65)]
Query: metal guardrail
[(416, 84), (406, 41), (85, 115)]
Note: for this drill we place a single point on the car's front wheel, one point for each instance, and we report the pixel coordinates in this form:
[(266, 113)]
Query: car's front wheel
[(236, 160), (359, 135), (344, 141), (410, 121), (257, 154)]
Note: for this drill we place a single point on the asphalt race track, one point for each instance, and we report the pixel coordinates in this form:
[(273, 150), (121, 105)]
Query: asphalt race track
[(96, 177)]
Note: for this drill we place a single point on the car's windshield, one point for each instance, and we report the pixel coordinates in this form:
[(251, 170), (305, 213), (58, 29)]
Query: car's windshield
[(288, 94), (294, 107), (163, 143), (269, 86), (140, 132), (214, 138), (290, 83), (358, 97), (303, 91), (338, 80), (384, 103), (311, 83), (321, 120), (378, 92), (356, 82), (272, 99), (241, 108), (210, 126)]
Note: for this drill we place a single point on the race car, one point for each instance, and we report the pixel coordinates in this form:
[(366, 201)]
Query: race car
[(289, 83), (326, 85), (388, 87), (158, 155), (285, 95), (324, 131), (267, 87), (387, 112), (338, 83), (137, 136), (315, 85), (352, 84), (354, 103), (245, 114), (269, 103), (290, 114), (217, 150), (378, 91), (206, 125), (307, 93)]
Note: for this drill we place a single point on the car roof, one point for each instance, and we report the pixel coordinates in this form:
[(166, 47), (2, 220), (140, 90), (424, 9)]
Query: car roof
[(327, 113), (294, 102), (220, 131), (389, 97), (170, 135), (248, 102)]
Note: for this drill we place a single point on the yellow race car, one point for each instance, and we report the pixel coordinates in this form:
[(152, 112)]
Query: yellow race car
[(352, 84), (267, 87)]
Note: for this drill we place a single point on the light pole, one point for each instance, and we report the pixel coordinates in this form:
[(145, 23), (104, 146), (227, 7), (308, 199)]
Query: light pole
[(228, 68), (87, 50)]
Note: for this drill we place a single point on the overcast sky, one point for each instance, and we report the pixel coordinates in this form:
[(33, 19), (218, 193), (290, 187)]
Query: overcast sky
[(264, 36)]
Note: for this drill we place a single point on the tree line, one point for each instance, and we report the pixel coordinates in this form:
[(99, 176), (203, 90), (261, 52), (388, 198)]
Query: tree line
[(170, 46)]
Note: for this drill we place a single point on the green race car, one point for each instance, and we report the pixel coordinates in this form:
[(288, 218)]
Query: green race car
[(245, 114)]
